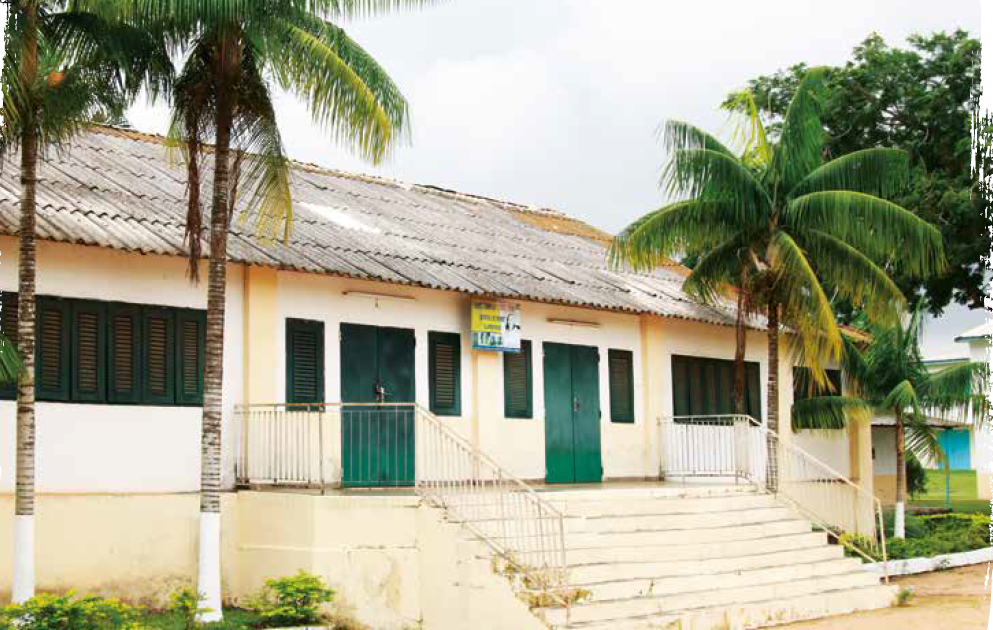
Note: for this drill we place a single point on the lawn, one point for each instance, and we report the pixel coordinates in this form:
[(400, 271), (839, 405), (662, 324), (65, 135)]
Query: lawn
[(234, 619), (962, 491)]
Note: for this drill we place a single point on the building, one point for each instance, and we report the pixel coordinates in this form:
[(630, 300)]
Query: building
[(981, 446), (370, 302)]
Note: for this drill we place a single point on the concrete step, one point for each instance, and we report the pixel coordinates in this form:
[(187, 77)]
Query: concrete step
[(623, 586), (607, 492), (721, 533), (672, 522), (636, 506), (714, 595), (645, 569), (754, 614), (700, 551)]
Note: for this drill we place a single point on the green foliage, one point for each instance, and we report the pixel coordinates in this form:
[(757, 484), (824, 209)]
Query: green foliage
[(292, 600), (185, 604), (68, 612), (234, 619), (903, 596), (917, 477), (919, 99), (939, 534)]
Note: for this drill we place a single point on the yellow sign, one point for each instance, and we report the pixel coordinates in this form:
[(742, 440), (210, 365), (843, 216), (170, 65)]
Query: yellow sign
[(496, 326)]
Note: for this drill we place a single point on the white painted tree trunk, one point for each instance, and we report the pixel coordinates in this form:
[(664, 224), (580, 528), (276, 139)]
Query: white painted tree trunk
[(898, 521), (23, 588), (209, 579)]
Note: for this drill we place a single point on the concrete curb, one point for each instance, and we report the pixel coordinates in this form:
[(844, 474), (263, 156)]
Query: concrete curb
[(937, 563)]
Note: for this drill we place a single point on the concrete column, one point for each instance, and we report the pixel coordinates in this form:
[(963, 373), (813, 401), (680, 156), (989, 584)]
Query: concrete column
[(261, 330), (652, 389)]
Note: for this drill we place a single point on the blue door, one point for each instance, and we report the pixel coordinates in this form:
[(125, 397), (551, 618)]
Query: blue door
[(955, 443)]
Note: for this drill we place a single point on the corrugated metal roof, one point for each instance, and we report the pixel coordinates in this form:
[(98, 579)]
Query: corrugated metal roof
[(117, 189)]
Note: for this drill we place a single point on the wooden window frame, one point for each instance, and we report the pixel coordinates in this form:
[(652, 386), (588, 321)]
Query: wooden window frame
[(62, 392), (99, 309), (168, 398), (290, 351), (454, 340), (528, 413), (690, 366), (10, 300), (183, 316), (115, 396), (628, 357)]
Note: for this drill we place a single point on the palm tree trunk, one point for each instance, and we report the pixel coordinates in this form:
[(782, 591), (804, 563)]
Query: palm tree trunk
[(739, 352), (901, 473), (209, 583), (24, 565), (772, 455)]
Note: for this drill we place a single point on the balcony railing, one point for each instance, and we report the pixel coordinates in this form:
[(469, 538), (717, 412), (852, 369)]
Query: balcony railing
[(738, 447)]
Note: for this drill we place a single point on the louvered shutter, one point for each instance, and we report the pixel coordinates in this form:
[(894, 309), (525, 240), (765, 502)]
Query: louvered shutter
[(304, 361), (621, 372), (517, 387), (123, 358), (444, 355), (89, 351), (191, 327), (52, 349), (8, 326), (159, 356), (706, 387)]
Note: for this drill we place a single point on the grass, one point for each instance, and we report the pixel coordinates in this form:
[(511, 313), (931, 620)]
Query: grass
[(234, 619), (962, 491)]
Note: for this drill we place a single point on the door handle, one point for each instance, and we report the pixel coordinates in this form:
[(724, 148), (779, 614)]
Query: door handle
[(575, 403)]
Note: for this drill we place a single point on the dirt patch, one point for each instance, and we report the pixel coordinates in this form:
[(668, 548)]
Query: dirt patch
[(958, 598)]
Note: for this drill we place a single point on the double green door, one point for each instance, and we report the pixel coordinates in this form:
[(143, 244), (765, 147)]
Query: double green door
[(572, 414), (377, 369)]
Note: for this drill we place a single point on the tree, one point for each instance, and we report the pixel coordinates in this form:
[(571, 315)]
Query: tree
[(889, 376), (920, 99), (237, 52), (783, 221), (60, 70)]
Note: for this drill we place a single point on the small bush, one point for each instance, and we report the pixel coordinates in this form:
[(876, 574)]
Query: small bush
[(185, 604), (903, 596), (67, 612), (916, 476), (293, 600)]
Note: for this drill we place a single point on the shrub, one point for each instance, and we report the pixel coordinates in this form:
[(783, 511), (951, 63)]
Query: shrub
[(185, 604), (293, 600), (916, 476), (67, 612)]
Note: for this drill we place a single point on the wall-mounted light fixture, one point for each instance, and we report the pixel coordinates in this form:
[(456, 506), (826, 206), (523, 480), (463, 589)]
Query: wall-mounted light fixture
[(379, 296), (573, 322)]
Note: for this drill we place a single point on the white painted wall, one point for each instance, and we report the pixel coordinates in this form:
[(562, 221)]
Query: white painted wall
[(982, 437), (884, 450), (120, 448)]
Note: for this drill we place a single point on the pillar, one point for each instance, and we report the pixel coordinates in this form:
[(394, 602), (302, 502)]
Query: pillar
[(261, 331), (652, 388)]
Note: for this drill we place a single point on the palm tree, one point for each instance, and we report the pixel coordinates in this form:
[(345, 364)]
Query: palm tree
[(60, 70), (237, 53), (888, 376), (784, 221)]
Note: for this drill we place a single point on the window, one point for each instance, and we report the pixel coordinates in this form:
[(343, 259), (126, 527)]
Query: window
[(88, 351), (304, 361), (8, 326), (705, 387), (620, 364), (517, 383), (444, 357)]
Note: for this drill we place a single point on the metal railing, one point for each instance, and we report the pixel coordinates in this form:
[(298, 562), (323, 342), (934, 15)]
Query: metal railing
[(395, 444), (738, 447)]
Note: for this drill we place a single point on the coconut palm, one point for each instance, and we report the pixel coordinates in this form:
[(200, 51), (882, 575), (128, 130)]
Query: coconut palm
[(60, 70), (237, 52), (784, 221), (888, 376)]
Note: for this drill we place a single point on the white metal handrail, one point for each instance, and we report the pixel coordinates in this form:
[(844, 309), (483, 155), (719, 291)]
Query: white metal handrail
[(738, 446), (301, 444)]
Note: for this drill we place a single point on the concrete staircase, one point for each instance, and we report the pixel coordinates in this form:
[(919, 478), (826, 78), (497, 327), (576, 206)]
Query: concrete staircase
[(700, 557)]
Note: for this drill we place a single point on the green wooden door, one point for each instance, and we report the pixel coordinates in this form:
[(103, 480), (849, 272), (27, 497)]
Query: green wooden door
[(377, 366), (572, 414)]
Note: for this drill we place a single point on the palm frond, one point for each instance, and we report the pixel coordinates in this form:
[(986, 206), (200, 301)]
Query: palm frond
[(878, 172), (716, 272), (708, 175), (878, 228), (801, 141), (958, 390), (10, 362), (677, 135), (749, 132), (828, 412), (922, 438)]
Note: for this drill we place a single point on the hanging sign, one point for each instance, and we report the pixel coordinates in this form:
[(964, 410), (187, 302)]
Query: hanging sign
[(496, 326)]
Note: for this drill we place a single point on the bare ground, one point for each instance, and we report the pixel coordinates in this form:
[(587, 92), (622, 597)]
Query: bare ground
[(958, 598)]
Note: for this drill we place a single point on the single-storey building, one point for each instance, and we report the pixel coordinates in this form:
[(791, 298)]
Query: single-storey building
[(371, 301)]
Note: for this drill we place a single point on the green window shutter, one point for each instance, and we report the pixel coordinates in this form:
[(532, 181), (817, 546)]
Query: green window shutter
[(191, 337), (304, 361), (704, 387), (517, 383), (444, 357), (123, 358), (680, 386), (621, 371), (89, 351), (158, 356), (8, 326), (52, 349), (753, 391)]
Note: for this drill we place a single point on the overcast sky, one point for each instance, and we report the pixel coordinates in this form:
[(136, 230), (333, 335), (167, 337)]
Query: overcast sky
[(555, 102)]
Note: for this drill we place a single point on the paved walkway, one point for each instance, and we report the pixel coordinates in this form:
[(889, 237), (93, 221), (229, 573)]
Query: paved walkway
[(959, 599)]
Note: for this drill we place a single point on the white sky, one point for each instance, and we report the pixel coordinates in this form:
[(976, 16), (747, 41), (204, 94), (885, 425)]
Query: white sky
[(555, 103)]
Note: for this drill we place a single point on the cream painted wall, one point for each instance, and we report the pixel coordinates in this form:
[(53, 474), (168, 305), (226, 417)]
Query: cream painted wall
[(121, 448)]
